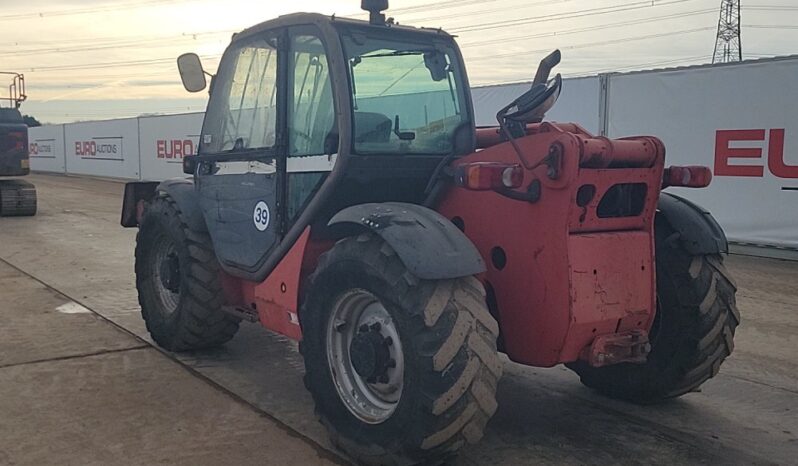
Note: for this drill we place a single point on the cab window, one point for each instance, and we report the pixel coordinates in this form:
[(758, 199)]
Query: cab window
[(242, 112), (311, 114), (311, 121), (407, 97)]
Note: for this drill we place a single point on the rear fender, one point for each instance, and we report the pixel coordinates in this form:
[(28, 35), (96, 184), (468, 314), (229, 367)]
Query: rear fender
[(181, 190), (698, 230), (429, 245)]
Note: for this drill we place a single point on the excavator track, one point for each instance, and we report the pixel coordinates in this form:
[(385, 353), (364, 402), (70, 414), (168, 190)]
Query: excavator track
[(17, 198)]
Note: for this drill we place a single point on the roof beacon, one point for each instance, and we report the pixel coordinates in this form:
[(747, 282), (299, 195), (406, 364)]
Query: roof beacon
[(375, 9)]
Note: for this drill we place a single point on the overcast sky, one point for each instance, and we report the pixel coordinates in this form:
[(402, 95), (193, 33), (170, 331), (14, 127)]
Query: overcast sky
[(98, 59)]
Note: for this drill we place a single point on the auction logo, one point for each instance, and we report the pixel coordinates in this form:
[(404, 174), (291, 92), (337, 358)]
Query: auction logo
[(727, 148), (41, 148), (174, 149), (101, 148)]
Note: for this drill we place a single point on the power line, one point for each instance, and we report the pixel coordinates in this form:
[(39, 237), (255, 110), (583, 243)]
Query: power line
[(594, 72), (119, 44), (589, 28), (771, 8), (92, 66), (769, 26), (644, 66), (683, 61), (493, 10), (92, 10), (86, 66), (424, 8), (568, 15), (595, 44)]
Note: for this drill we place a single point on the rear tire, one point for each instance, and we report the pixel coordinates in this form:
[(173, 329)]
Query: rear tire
[(445, 393), (692, 334), (177, 277)]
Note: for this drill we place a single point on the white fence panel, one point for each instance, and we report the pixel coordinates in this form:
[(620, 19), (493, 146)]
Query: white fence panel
[(742, 121), (164, 141), (103, 148), (46, 148), (578, 103)]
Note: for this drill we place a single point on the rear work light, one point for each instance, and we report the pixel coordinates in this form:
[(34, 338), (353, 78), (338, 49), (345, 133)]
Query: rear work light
[(693, 176), (484, 176)]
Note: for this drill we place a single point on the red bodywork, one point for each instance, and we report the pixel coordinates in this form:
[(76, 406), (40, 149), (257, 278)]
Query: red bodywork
[(564, 282)]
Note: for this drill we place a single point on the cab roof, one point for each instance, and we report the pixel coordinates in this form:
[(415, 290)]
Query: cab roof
[(298, 19)]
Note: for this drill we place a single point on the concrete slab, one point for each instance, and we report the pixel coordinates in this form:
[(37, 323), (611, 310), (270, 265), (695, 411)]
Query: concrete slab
[(745, 415), (134, 407), (39, 323), (75, 241)]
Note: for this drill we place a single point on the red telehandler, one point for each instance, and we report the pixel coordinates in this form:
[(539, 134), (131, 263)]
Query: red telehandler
[(17, 197), (342, 196)]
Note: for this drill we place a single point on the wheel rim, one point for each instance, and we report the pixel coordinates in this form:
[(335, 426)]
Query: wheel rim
[(365, 356), (166, 274)]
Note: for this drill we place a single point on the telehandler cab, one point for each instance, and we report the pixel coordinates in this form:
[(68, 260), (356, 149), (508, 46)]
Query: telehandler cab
[(340, 197)]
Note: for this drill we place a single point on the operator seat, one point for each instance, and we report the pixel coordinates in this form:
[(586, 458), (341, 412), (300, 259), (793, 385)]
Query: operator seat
[(372, 127)]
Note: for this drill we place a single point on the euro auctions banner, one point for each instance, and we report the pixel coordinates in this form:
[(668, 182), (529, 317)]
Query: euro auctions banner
[(103, 148), (165, 140), (46, 148), (740, 120)]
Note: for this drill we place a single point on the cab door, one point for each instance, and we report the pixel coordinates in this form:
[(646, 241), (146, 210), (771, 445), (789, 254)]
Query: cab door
[(241, 150), (312, 131)]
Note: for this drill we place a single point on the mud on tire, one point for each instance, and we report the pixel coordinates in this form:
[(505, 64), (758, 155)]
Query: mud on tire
[(448, 340), (692, 334), (177, 277)]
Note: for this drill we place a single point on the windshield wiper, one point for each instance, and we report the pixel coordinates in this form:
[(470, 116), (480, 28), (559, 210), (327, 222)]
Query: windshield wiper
[(398, 53)]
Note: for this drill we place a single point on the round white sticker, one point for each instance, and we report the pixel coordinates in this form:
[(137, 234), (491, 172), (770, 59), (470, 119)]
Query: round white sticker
[(261, 216)]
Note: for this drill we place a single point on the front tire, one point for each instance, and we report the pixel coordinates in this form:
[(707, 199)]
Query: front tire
[(692, 334), (402, 370), (178, 282)]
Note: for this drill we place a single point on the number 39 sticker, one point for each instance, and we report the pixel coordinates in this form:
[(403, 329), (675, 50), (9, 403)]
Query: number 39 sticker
[(261, 216)]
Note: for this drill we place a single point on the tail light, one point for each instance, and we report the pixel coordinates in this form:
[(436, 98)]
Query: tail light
[(484, 176), (693, 176)]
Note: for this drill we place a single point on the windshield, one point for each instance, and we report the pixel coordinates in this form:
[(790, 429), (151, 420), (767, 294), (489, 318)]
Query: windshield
[(406, 96)]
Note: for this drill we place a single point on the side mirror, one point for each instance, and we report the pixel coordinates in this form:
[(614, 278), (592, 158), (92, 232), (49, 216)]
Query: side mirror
[(436, 64), (191, 72)]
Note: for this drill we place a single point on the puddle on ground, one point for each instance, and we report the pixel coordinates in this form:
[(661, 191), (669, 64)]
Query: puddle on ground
[(72, 308)]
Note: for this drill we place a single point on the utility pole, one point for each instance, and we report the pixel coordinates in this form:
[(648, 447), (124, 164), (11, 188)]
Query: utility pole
[(728, 47)]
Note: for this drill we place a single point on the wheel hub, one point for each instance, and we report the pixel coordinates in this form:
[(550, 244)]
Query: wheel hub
[(364, 352), (170, 273), (370, 354)]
